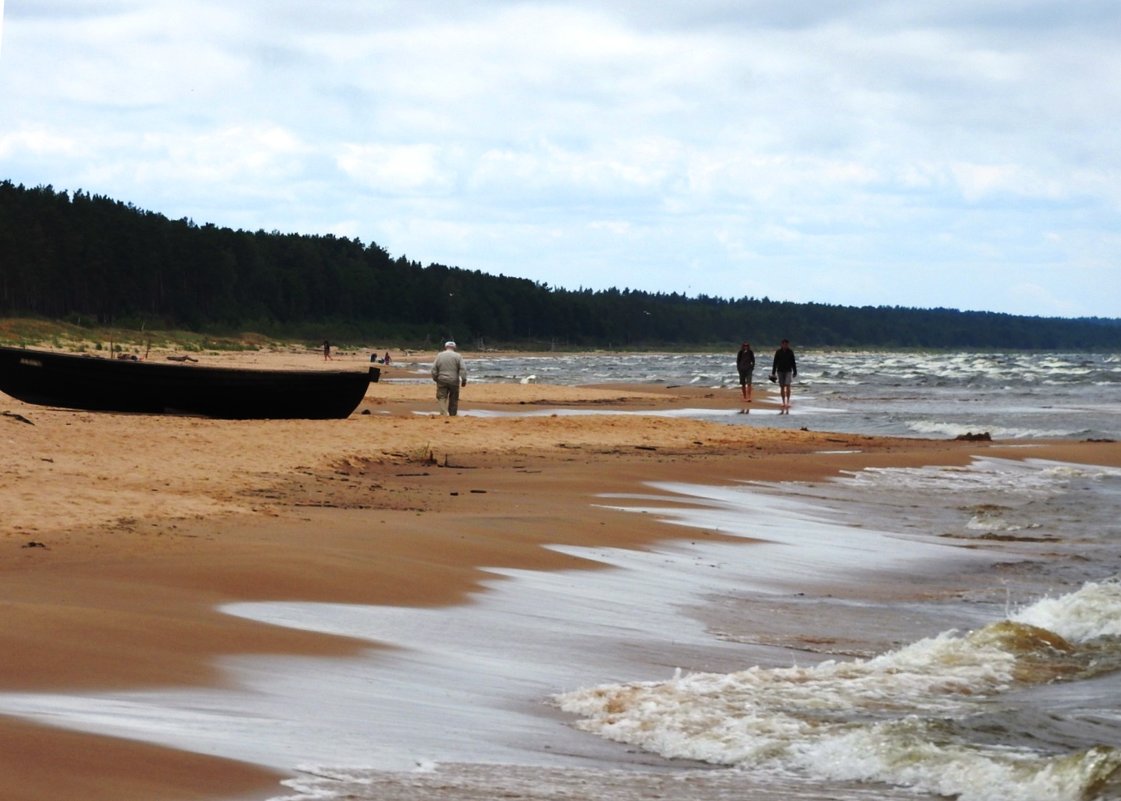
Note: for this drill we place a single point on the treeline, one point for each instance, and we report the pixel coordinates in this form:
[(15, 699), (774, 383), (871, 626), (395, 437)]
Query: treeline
[(87, 258)]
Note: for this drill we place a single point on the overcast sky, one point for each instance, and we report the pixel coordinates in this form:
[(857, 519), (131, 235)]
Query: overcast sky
[(956, 153)]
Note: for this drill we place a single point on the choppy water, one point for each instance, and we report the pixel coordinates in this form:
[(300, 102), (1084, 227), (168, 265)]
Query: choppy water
[(1019, 704), (936, 395)]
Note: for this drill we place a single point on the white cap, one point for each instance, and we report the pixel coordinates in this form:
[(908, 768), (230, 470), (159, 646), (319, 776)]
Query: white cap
[(449, 344)]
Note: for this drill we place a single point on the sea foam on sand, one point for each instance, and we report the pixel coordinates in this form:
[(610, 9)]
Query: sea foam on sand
[(469, 683)]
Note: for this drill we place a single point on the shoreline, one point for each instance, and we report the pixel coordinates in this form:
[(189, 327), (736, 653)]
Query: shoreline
[(146, 525)]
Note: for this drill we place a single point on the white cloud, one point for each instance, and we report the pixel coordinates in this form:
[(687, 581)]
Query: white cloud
[(396, 169), (870, 152), (39, 142)]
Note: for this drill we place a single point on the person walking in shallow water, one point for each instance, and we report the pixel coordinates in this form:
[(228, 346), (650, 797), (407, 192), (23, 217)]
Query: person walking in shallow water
[(450, 373), (784, 369), (745, 365)]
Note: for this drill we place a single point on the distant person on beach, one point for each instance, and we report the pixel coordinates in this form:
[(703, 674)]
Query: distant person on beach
[(326, 350), (450, 373), (745, 364), (784, 369), (387, 359)]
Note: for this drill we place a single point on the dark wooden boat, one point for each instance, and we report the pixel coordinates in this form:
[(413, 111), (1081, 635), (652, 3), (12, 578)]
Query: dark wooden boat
[(120, 385)]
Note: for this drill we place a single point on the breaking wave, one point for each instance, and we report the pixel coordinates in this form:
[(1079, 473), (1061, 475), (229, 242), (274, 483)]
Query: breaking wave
[(904, 718)]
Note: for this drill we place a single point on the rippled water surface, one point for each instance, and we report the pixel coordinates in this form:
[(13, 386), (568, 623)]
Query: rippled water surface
[(1051, 395)]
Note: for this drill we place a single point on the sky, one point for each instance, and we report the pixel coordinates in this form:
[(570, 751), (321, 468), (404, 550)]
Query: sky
[(959, 153)]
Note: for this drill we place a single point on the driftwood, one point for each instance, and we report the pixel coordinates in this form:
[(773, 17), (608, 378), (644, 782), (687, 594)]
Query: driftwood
[(183, 358), (17, 416)]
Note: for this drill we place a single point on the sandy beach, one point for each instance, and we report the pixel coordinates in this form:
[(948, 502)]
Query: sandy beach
[(123, 533)]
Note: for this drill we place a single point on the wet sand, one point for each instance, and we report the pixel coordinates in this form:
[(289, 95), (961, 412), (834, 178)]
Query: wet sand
[(123, 533)]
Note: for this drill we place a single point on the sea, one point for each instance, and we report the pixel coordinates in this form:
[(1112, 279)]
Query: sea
[(894, 633), (917, 394)]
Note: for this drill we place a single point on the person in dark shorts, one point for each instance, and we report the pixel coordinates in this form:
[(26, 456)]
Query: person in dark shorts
[(745, 365), (784, 368)]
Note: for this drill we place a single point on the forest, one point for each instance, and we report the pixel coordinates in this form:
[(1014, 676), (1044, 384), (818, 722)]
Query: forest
[(93, 260)]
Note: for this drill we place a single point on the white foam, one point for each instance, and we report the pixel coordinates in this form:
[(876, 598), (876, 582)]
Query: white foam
[(1012, 478), (956, 429), (881, 719), (1083, 616), (464, 682)]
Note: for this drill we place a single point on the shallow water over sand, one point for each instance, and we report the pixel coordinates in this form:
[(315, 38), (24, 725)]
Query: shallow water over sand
[(841, 634), (916, 394)]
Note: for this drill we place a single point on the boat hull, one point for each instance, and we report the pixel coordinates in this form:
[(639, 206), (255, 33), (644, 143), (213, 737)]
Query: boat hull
[(119, 385)]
